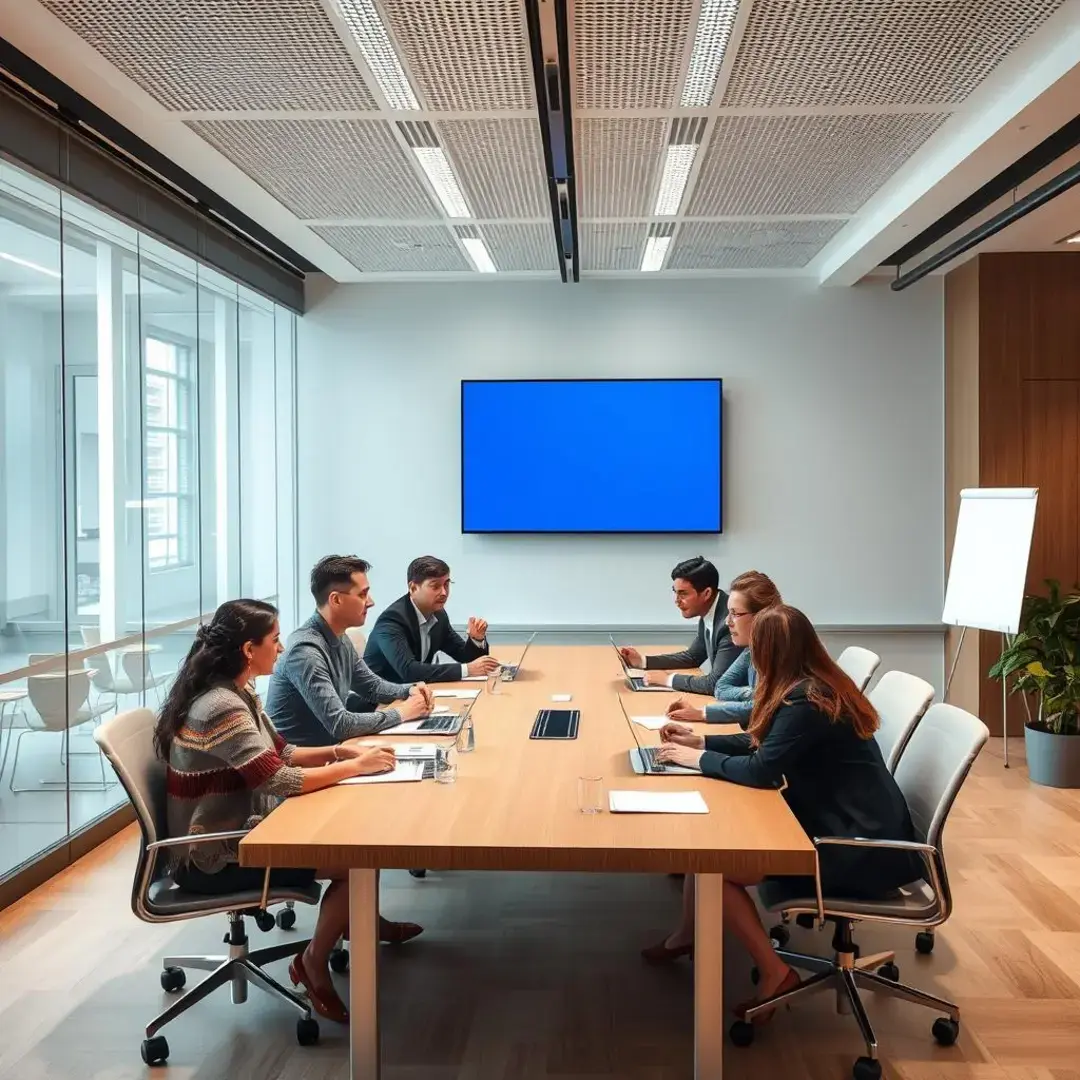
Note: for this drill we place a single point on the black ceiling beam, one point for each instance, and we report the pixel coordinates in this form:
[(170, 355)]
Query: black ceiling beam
[(77, 112), (1024, 168), (549, 48)]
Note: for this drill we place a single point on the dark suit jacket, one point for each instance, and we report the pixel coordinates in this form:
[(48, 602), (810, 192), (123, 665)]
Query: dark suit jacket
[(837, 785), (723, 654), (393, 647)]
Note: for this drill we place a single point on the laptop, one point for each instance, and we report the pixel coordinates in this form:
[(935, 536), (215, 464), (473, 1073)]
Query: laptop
[(435, 724), (509, 672), (643, 758), (635, 682), (421, 752)]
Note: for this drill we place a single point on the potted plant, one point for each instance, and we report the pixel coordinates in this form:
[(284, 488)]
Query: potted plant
[(1043, 662)]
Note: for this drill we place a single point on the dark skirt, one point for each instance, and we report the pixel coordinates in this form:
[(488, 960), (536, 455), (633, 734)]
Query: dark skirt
[(234, 878)]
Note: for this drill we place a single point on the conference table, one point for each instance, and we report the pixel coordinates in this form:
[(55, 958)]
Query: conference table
[(514, 806)]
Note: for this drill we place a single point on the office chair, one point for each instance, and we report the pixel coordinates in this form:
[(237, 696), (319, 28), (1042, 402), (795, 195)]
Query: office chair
[(858, 664), (938, 757), (127, 741), (900, 701)]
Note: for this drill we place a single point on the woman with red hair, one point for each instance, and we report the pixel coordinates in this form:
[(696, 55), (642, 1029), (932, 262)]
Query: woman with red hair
[(811, 736)]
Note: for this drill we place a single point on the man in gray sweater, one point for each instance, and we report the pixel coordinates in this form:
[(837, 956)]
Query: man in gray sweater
[(321, 676)]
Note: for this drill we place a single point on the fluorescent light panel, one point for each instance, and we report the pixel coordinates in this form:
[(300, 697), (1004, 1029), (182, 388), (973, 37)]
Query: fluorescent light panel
[(436, 166), (710, 41), (479, 254), (678, 162), (29, 265), (655, 252), (369, 33)]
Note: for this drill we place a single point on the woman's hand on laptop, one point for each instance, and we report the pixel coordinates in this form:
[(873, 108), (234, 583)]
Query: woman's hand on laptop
[(368, 759), (681, 709), (673, 754), (681, 735)]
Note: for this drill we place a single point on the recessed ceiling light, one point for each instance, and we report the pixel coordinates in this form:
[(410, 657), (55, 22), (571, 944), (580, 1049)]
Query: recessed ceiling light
[(479, 254), (436, 166), (367, 29), (655, 253), (29, 265), (714, 25), (678, 162)]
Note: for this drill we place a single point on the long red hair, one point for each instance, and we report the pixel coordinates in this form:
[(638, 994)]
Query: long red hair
[(786, 651)]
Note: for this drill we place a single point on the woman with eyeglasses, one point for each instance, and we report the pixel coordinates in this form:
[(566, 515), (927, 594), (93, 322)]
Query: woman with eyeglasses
[(811, 736), (227, 768), (748, 595)]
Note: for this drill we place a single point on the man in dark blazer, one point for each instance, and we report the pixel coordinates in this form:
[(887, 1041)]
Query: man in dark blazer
[(408, 634), (696, 585)]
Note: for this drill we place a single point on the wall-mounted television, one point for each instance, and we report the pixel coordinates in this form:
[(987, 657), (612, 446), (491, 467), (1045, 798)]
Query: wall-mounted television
[(591, 456)]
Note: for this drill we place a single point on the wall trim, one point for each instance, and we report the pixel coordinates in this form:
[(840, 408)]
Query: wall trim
[(666, 630)]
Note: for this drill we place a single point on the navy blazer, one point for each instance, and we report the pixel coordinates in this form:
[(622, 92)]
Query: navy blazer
[(393, 647)]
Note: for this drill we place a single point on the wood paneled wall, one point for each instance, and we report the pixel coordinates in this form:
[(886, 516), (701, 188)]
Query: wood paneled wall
[(1017, 413)]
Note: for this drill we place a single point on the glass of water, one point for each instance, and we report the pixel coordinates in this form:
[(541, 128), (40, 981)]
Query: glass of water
[(445, 764), (493, 681), (590, 794)]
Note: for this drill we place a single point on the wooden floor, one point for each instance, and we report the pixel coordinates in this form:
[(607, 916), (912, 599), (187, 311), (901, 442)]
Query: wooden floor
[(530, 976)]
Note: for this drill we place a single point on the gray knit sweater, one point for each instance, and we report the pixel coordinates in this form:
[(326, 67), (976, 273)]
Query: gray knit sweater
[(228, 768)]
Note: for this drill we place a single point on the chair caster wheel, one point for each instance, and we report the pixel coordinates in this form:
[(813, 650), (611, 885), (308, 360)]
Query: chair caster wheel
[(173, 979), (155, 1051), (924, 943), (339, 960), (780, 935), (755, 975), (265, 921), (946, 1031), (418, 873), (307, 1031), (866, 1069), (286, 919), (889, 971), (741, 1033)]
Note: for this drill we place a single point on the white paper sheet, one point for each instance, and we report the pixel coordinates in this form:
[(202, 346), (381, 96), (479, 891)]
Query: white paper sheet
[(456, 693), (657, 802), (653, 723), (475, 678), (402, 771)]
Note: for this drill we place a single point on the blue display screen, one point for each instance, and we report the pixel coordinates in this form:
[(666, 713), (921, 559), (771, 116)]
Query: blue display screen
[(591, 456)]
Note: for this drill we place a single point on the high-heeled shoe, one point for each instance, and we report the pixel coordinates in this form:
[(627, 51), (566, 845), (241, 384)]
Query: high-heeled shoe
[(660, 953), (790, 981), (324, 1001), (397, 933)]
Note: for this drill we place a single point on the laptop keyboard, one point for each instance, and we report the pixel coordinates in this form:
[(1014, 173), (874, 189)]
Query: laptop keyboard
[(438, 723), (648, 757)]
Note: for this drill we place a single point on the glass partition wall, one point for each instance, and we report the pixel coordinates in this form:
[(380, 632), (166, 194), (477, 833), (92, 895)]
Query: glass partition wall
[(146, 475)]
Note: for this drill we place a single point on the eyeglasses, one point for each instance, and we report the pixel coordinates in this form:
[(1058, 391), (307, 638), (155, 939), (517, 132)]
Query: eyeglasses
[(733, 615)]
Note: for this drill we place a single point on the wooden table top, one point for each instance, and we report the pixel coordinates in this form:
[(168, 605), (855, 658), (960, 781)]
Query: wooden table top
[(515, 803)]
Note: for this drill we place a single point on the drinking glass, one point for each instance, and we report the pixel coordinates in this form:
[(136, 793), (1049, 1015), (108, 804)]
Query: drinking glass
[(493, 681), (445, 764), (590, 794)]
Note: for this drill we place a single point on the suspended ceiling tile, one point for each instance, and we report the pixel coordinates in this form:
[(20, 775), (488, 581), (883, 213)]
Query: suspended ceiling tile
[(500, 164), (223, 54), (521, 247), (467, 56), (748, 245), (616, 166), (612, 245), (803, 164), (388, 249), (629, 52), (875, 52), (324, 168)]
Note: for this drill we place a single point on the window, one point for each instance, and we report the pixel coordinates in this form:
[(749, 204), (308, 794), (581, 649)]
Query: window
[(170, 450)]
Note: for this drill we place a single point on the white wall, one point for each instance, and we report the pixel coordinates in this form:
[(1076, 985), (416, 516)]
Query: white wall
[(833, 413)]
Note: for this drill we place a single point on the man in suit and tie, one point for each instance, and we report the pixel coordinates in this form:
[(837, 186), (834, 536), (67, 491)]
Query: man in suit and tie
[(415, 627), (696, 585)]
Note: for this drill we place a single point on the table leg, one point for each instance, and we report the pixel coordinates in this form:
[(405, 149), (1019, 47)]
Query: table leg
[(709, 977), (363, 974)]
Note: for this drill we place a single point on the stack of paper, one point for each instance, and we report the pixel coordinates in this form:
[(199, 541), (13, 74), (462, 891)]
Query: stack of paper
[(403, 770), (657, 802)]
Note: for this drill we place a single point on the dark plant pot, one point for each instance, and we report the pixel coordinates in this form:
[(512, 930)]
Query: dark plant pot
[(1053, 760)]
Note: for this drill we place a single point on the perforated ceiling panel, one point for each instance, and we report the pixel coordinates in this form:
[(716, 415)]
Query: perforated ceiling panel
[(803, 164), (500, 164), (390, 249), (629, 52), (223, 54), (875, 52), (749, 245), (617, 164), (612, 246), (469, 55), (324, 168), (521, 247)]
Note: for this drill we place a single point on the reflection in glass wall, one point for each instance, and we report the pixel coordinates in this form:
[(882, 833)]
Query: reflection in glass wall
[(143, 480)]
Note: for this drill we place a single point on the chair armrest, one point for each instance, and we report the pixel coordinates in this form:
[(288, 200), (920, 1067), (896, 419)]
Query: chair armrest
[(925, 851), (197, 838)]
